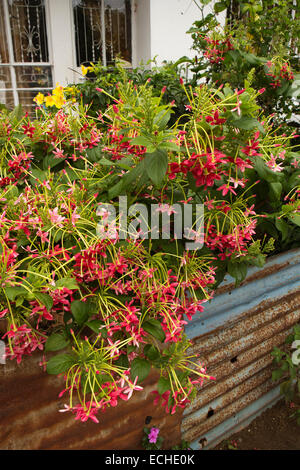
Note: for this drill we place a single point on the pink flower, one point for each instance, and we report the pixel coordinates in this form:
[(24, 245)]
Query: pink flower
[(55, 218), (43, 236), (153, 435), (276, 167), (58, 153), (74, 217), (225, 189), (166, 208), (46, 184), (3, 313)]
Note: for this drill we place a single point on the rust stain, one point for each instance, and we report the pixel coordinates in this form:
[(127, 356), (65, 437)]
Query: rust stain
[(234, 407), (29, 416), (234, 395), (265, 313)]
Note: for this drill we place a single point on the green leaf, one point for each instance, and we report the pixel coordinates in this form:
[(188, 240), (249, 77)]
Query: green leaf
[(168, 146), (94, 325), (16, 114), (44, 299), (38, 175), (115, 190), (140, 368), (151, 352), (277, 374), (80, 311), (13, 292), (140, 140), (104, 161), (59, 364), (163, 385), (275, 191), (247, 123), (238, 271), (68, 282), (55, 342), (283, 228), (154, 328), (295, 218), (219, 6), (162, 119), (156, 166), (11, 191), (128, 179), (264, 172)]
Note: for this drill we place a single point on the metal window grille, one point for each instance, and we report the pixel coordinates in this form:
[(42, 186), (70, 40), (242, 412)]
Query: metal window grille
[(25, 67), (102, 30)]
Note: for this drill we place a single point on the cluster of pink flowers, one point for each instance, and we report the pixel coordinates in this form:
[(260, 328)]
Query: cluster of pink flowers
[(216, 49), (22, 342), (118, 145), (109, 394), (153, 435), (228, 244), (279, 73)]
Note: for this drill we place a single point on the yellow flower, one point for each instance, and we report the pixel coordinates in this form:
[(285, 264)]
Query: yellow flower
[(85, 70), (58, 91), (39, 99), (58, 101), (70, 89), (49, 101)]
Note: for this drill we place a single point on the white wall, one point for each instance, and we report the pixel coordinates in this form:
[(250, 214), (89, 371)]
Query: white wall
[(61, 40), (168, 21), (141, 31)]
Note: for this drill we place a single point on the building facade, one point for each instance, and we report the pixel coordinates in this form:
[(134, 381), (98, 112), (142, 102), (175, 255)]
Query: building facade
[(43, 42)]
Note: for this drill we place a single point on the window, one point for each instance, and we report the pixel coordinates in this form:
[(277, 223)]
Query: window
[(25, 68), (102, 30)]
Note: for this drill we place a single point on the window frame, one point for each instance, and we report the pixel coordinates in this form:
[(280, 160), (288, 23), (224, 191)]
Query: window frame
[(12, 64)]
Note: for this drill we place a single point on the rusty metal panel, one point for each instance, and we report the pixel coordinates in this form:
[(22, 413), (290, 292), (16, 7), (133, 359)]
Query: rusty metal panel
[(29, 416), (234, 337)]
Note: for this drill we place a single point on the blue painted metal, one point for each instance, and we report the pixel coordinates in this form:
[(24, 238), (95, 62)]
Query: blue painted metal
[(235, 336), (228, 306)]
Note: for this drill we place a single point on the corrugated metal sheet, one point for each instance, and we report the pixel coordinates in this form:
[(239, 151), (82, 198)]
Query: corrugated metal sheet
[(29, 417), (234, 337)]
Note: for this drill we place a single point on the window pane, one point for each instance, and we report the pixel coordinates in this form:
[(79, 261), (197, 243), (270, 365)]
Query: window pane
[(34, 76), (88, 21), (118, 30), (28, 29), (7, 98), (88, 30), (26, 100), (5, 78), (4, 57)]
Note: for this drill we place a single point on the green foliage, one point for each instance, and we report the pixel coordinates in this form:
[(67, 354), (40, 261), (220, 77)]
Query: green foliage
[(259, 38), (287, 368), (162, 78)]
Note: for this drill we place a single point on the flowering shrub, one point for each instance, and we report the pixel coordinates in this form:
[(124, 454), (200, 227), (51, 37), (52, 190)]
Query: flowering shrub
[(161, 77), (258, 38), (116, 305)]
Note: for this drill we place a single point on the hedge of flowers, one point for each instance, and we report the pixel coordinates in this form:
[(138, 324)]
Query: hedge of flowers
[(107, 310)]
